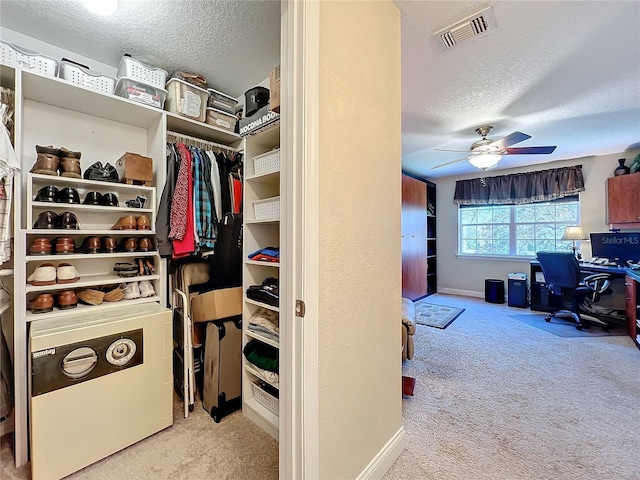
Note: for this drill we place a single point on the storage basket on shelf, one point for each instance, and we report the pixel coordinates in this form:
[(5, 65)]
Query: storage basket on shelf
[(267, 163), (221, 101), (141, 72), (186, 99), (141, 92), (267, 209), (221, 119), (83, 77), (265, 399), (21, 58)]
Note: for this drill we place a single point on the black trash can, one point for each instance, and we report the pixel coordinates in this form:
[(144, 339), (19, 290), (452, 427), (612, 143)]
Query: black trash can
[(494, 291)]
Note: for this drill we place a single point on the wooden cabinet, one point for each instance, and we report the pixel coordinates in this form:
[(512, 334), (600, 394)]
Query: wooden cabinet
[(623, 201), (414, 238)]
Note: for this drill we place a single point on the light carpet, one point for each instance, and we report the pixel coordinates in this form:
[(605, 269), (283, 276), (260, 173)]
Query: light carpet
[(438, 316), (498, 399)]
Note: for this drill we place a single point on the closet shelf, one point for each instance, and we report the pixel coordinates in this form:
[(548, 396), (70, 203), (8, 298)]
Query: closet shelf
[(91, 281), (88, 256), (201, 130), (81, 182), (262, 411), (263, 339), (6, 272), (263, 222), (256, 373), (273, 177), (260, 304), (90, 231), (92, 208), (32, 317), (262, 264)]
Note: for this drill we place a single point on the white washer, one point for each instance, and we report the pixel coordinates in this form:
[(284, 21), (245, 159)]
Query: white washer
[(99, 383)]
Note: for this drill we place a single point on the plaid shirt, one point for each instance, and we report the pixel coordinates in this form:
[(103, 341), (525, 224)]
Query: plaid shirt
[(206, 224)]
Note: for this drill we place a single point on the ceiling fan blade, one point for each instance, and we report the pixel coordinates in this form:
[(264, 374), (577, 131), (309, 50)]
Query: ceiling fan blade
[(530, 150), (449, 163), (511, 139), (447, 150)]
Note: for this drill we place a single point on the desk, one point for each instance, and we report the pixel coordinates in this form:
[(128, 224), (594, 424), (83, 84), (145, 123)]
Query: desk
[(544, 301)]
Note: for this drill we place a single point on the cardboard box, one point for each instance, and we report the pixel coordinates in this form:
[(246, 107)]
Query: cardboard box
[(258, 121), (216, 304), (134, 168), (274, 87)]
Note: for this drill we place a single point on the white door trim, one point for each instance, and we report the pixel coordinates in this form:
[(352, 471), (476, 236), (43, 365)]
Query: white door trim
[(299, 425)]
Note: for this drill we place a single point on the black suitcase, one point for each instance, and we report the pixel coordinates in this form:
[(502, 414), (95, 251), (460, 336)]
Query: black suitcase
[(222, 383)]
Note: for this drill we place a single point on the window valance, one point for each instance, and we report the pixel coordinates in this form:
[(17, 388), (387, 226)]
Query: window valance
[(520, 188)]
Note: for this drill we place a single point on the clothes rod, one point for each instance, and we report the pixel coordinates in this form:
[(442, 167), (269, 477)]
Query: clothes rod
[(199, 142)]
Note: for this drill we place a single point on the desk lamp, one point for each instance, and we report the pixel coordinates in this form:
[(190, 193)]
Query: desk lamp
[(574, 233)]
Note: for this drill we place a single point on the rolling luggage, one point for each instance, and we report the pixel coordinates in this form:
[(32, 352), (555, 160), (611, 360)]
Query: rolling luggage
[(222, 389)]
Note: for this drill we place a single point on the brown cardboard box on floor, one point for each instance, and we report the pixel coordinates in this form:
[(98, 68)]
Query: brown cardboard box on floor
[(274, 87), (216, 304)]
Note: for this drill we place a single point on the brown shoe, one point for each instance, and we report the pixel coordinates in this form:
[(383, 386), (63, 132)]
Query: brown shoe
[(40, 246), (125, 223), (108, 244), (91, 296), (41, 303), (91, 245), (128, 244), (67, 299), (64, 153), (113, 294), (65, 245), (47, 160), (70, 167), (145, 244), (143, 223)]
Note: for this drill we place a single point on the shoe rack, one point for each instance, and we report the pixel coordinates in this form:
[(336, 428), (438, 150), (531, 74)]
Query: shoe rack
[(262, 228), (96, 270)]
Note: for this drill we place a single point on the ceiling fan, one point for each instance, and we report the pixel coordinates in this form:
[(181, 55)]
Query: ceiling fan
[(486, 153)]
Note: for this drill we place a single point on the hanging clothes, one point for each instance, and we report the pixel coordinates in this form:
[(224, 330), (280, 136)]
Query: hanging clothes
[(206, 223), (8, 166), (182, 215), (163, 223), (215, 183)]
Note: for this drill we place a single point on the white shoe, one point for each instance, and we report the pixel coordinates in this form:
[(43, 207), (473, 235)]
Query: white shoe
[(67, 273), (146, 289), (44, 274), (131, 291)]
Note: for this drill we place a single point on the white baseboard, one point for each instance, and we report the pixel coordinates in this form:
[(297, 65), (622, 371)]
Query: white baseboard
[(464, 293), (382, 462)]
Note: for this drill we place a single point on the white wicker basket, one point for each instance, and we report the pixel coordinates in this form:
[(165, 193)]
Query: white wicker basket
[(267, 209), (265, 399), (267, 163), (21, 58), (86, 78), (137, 70)]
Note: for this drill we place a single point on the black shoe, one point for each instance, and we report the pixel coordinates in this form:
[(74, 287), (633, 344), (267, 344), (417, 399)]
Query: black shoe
[(46, 220), (47, 194), (110, 174), (93, 198), (109, 200), (67, 221), (68, 195), (94, 172)]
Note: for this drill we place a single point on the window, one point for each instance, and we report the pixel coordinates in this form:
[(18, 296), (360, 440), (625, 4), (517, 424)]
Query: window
[(516, 230)]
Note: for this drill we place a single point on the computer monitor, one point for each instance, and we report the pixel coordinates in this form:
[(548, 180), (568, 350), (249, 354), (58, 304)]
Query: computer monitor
[(621, 246)]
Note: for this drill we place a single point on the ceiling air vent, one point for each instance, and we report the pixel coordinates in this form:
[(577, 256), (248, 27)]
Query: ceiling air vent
[(471, 27)]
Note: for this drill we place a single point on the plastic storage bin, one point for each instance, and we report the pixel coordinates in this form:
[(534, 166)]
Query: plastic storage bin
[(141, 92), (221, 101), (137, 70), (83, 77), (21, 58), (267, 209), (186, 99), (265, 399), (221, 119), (267, 163)]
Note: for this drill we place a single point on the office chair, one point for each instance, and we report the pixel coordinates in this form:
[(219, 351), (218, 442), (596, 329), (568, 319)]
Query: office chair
[(562, 276)]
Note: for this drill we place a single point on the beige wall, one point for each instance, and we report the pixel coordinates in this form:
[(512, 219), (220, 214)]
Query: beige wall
[(360, 402), (592, 212)]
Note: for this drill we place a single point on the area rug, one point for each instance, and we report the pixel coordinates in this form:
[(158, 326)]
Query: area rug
[(438, 316), (563, 327)]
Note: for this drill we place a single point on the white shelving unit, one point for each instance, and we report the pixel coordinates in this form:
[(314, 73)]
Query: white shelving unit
[(260, 189), (51, 111)]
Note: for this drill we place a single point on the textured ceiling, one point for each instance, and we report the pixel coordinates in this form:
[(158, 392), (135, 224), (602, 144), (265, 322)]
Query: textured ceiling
[(234, 44), (567, 73)]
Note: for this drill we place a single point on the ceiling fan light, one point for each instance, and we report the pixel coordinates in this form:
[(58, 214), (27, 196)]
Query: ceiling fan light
[(484, 161)]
